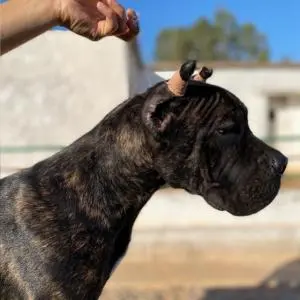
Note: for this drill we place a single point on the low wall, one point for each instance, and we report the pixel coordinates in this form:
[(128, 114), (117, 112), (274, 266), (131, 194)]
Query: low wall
[(170, 208)]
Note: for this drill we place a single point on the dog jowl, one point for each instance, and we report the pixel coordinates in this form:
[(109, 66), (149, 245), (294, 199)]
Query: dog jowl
[(68, 219)]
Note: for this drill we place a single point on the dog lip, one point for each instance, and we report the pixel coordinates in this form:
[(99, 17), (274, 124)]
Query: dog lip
[(215, 206), (245, 213), (213, 199)]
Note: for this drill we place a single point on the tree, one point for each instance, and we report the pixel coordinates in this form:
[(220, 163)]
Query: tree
[(221, 39)]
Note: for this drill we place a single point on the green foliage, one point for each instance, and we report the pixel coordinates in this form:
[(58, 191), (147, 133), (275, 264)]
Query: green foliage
[(221, 39)]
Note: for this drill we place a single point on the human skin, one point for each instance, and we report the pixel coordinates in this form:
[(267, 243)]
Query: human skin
[(23, 20)]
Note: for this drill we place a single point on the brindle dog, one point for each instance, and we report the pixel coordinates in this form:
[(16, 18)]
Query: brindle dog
[(67, 220)]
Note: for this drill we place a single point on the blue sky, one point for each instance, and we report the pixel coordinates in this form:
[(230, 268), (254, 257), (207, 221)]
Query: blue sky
[(279, 20)]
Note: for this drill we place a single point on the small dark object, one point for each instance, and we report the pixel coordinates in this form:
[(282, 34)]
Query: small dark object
[(205, 72), (187, 69)]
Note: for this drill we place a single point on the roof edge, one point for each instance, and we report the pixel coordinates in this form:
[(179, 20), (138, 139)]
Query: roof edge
[(171, 65)]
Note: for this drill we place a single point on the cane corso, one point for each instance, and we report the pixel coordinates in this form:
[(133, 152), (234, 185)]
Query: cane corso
[(67, 220)]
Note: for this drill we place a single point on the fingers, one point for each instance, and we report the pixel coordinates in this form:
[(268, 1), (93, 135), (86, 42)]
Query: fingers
[(133, 25), (110, 25), (121, 16), (105, 9), (133, 20), (118, 22)]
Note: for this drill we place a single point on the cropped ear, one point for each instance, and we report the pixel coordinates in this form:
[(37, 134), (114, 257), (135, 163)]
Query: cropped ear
[(158, 109), (203, 75)]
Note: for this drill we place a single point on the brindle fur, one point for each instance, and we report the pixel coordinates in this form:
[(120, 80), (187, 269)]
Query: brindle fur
[(66, 220)]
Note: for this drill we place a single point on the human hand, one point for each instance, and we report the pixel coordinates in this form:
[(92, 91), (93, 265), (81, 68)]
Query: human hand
[(96, 19)]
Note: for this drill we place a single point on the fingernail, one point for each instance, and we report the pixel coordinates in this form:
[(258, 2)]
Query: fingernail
[(134, 15)]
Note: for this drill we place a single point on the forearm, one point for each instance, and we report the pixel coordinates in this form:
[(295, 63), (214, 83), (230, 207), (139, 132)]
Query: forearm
[(22, 20)]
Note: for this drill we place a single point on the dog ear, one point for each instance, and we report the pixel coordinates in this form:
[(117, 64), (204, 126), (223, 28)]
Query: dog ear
[(204, 74), (178, 82), (157, 112)]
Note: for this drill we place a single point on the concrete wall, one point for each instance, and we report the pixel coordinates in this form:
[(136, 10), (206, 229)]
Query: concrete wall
[(57, 87), (140, 76), (174, 215)]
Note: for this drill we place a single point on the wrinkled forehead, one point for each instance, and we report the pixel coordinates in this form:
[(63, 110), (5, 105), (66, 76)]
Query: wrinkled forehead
[(203, 90)]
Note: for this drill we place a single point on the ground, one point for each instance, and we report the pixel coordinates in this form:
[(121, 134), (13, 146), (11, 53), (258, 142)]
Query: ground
[(217, 274)]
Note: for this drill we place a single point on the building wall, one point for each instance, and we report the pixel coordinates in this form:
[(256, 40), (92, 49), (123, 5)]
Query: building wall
[(58, 86), (140, 76), (55, 88)]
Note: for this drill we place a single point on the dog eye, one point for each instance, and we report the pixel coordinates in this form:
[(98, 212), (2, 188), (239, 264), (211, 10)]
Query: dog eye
[(221, 131), (228, 129)]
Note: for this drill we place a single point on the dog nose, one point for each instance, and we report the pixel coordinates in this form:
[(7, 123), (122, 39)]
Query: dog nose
[(279, 163)]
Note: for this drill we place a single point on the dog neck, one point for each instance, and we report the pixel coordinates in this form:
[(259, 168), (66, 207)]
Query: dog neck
[(106, 175)]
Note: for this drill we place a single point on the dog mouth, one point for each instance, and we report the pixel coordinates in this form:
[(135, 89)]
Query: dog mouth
[(216, 206), (249, 209), (214, 198), (244, 204)]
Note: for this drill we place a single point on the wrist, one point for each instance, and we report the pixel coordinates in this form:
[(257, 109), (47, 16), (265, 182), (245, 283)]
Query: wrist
[(48, 12), (55, 11)]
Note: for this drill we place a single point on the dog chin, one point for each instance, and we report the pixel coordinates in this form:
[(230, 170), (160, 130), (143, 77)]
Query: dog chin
[(247, 212), (250, 210), (237, 213), (215, 206), (217, 203)]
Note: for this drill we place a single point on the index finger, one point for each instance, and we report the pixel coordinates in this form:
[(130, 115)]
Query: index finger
[(121, 14)]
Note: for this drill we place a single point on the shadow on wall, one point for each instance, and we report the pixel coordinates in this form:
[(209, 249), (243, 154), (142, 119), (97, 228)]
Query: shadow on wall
[(142, 80), (149, 79), (282, 284)]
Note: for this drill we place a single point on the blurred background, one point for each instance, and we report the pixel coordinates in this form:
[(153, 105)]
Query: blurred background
[(59, 86)]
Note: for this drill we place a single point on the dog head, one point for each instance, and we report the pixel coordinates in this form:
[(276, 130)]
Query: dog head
[(201, 142)]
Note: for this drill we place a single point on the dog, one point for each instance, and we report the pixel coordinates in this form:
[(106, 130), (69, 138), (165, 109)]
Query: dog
[(66, 221)]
